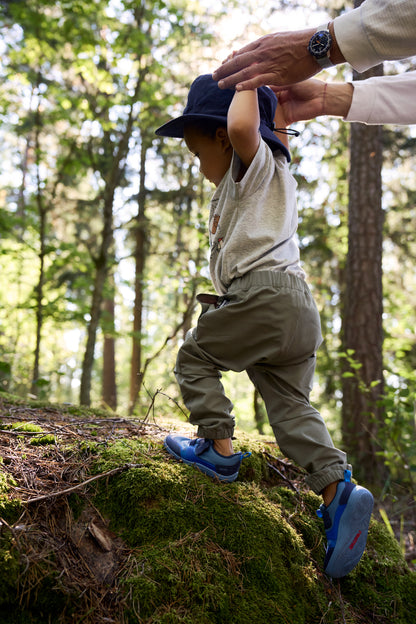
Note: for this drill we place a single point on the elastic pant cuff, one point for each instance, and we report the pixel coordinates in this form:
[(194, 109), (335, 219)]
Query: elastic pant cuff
[(319, 480), (219, 433)]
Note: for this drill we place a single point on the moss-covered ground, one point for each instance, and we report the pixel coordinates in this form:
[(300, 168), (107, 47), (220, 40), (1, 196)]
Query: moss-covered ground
[(155, 541)]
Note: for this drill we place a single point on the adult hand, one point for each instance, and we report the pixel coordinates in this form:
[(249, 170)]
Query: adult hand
[(278, 59), (301, 101), (311, 98)]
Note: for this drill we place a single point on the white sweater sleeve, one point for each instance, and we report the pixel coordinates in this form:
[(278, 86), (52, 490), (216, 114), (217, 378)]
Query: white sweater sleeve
[(377, 31), (384, 99)]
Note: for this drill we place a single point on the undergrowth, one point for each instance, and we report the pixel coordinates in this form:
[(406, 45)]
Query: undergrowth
[(184, 549)]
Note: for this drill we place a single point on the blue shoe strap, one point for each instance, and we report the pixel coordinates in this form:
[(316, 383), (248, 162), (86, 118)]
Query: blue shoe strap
[(201, 445), (341, 498)]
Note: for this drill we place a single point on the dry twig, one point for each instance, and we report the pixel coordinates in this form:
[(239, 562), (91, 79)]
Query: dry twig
[(81, 485)]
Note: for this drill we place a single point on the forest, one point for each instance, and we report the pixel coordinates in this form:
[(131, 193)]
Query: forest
[(103, 225)]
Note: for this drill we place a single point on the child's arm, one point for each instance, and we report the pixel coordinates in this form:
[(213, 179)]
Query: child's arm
[(280, 122), (243, 121)]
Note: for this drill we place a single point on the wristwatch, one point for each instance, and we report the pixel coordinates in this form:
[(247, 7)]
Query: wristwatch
[(319, 46)]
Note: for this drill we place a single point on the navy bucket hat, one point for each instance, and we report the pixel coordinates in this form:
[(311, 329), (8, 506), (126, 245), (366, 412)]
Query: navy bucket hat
[(207, 100)]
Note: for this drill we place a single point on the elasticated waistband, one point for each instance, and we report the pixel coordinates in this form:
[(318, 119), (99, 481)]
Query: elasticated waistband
[(275, 279)]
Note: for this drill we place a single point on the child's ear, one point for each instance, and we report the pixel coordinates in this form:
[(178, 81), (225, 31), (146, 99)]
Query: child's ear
[(221, 135)]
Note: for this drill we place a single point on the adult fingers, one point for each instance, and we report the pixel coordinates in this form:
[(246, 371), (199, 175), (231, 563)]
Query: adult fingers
[(238, 69)]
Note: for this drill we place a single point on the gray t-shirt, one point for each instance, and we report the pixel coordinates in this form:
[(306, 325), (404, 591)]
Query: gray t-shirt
[(253, 222)]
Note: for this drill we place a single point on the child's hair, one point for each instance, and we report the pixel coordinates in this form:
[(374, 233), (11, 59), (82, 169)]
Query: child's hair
[(206, 126)]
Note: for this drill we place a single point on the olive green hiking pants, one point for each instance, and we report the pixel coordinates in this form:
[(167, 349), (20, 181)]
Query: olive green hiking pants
[(268, 325)]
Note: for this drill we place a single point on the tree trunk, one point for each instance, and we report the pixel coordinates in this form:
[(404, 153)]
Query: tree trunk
[(260, 414), (42, 211), (109, 385), (39, 301), (101, 265), (363, 303), (136, 373), (112, 177)]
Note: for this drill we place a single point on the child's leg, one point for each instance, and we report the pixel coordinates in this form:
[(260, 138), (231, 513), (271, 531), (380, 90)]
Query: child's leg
[(271, 328), (302, 435), (299, 429), (224, 447), (203, 394), (198, 376)]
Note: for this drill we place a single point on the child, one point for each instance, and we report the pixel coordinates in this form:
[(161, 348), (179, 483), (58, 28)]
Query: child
[(264, 320)]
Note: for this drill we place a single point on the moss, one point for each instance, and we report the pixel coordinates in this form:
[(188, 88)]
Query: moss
[(43, 440), (382, 581), (64, 408), (256, 468), (10, 509), (210, 584), (5, 482), (124, 452), (193, 572), (27, 427), (204, 551), (9, 569), (164, 501), (198, 551)]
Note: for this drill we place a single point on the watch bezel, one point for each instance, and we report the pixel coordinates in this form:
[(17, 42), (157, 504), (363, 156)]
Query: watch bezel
[(316, 47)]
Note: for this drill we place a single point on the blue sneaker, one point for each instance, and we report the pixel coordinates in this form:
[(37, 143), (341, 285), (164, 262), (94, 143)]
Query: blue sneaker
[(200, 452), (346, 521)]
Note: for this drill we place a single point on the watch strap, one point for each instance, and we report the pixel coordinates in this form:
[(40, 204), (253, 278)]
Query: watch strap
[(324, 61)]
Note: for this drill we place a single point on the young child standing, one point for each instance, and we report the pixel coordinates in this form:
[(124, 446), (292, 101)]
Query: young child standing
[(264, 320)]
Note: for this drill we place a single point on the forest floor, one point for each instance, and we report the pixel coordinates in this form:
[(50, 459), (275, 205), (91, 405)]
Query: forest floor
[(40, 451), (33, 446)]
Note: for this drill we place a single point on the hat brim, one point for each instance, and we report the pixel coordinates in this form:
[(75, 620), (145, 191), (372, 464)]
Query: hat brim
[(175, 129)]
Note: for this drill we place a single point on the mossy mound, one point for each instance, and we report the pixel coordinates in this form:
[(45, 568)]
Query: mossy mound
[(250, 551), (156, 542)]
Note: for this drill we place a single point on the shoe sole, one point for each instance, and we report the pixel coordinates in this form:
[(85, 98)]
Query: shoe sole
[(202, 468), (352, 533)]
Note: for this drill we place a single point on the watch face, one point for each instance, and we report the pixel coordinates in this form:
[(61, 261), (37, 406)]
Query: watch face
[(320, 43)]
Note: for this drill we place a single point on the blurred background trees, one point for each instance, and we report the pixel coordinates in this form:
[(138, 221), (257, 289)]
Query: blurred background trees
[(103, 226)]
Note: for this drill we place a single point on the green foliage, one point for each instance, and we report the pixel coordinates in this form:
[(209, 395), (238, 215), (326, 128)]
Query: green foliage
[(86, 85), (398, 433), (43, 440)]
